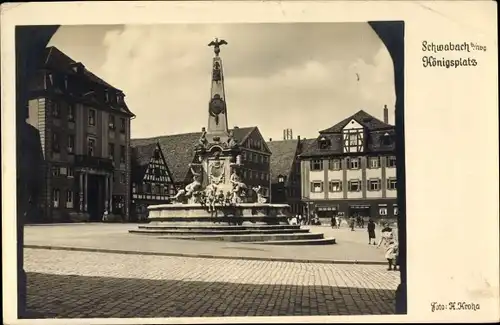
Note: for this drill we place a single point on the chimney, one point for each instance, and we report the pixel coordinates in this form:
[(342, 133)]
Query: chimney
[(270, 139), (386, 114), (298, 138), (236, 127)]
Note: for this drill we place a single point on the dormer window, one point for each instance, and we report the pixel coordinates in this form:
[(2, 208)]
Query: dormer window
[(323, 143), (281, 179), (386, 139)]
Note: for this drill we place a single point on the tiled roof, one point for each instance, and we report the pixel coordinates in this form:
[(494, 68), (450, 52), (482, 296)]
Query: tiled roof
[(282, 157), (374, 126), (178, 149), (55, 59), (363, 118)]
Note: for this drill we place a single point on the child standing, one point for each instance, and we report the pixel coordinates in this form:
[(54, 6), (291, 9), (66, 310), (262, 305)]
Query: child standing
[(391, 254)]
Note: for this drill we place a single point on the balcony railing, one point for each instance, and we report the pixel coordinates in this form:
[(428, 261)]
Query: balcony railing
[(94, 162)]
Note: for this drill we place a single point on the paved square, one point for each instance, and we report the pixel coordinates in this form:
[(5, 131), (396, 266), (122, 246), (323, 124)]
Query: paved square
[(69, 284)]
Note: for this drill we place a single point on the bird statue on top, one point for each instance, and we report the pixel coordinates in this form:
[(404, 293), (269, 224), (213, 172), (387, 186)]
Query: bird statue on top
[(216, 44)]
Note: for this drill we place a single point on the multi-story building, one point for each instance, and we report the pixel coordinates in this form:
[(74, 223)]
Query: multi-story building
[(285, 172), (178, 151), (151, 179), (350, 168), (84, 126)]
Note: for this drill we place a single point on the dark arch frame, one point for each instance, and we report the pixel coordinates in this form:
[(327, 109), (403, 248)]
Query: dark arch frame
[(32, 40)]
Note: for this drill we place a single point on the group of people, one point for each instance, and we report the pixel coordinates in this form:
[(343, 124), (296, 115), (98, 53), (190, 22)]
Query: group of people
[(298, 219)]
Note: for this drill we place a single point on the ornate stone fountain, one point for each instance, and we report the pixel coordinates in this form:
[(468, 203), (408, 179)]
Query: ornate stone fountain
[(217, 204)]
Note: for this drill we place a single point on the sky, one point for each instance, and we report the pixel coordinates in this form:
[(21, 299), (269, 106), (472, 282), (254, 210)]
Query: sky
[(301, 76)]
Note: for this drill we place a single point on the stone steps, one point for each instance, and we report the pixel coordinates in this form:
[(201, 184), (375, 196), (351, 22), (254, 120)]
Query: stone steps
[(218, 227), (249, 238), (189, 231)]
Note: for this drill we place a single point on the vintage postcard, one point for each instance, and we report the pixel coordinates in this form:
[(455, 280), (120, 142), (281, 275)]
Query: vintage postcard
[(229, 162)]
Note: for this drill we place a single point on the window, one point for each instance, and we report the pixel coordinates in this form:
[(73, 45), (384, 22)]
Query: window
[(71, 172), (261, 159), (134, 188), (353, 163), (65, 82), (316, 164), (123, 178), (386, 139), (122, 154), (353, 139), (354, 186), (281, 179), (254, 157), (157, 171), (382, 211), (56, 110), (55, 197), (334, 164), (56, 171), (335, 186), (71, 113), (391, 161), (323, 143), (122, 125), (111, 123), (373, 185), (92, 114), (69, 199), (316, 187), (91, 147), (156, 154), (55, 142), (373, 162), (63, 170), (395, 210), (266, 159), (391, 184), (244, 155), (111, 151), (71, 143), (49, 80)]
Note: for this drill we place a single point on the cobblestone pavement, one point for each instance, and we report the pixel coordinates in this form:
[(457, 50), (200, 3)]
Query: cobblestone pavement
[(350, 245), (70, 284)]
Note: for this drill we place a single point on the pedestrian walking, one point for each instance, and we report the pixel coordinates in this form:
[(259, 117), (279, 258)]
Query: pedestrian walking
[(391, 254), (352, 222), (387, 236), (333, 222), (371, 232), (338, 221)]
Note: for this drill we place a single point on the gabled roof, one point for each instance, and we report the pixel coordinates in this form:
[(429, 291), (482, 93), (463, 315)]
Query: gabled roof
[(178, 149), (370, 122), (55, 59), (141, 156), (282, 157)]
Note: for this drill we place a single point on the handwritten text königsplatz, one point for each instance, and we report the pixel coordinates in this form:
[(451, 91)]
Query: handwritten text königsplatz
[(463, 49)]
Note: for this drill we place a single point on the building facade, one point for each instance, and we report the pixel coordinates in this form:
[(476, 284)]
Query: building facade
[(285, 173), (84, 126), (151, 180), (350, 169)]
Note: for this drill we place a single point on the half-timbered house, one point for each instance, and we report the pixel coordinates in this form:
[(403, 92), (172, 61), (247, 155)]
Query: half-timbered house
[(151, 179), (350, 168)]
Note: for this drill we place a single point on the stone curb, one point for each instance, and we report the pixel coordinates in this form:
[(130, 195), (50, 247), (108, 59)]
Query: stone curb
[(274, 259)]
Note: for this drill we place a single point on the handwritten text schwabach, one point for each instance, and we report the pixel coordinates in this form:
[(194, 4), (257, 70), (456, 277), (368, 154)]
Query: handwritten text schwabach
[(430, 61)]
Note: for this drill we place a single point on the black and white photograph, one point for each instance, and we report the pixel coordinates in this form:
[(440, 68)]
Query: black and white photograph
[(233, 159), (192, 170)]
